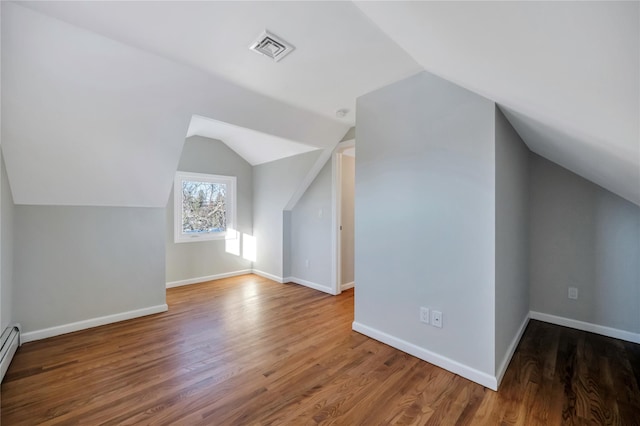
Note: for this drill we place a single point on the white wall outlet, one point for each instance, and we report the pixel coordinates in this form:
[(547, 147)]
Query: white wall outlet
[(306, 263), (436, 319), (320, 214), (424, 315), (573, 293)]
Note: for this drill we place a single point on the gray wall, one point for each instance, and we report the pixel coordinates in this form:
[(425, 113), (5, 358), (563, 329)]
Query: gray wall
[(311, 234), (6, 241), (512, 235), (273, 186), (78, 263), (586, 237), (205, 258), (347, 233), (424, 217), (351, 134)]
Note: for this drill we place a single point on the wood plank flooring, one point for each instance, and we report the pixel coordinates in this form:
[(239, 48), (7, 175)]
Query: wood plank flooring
[(246, 350)]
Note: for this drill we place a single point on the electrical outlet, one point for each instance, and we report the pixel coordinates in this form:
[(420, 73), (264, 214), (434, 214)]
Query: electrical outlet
[(306, 263), (424, 315), (436, 319), (573, 293)]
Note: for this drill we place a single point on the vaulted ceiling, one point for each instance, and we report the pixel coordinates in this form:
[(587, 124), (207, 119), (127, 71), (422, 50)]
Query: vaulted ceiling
[(339, 53), (566, 74)]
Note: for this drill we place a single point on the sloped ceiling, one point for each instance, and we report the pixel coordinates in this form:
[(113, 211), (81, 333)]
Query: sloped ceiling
[(339, 54), (255, 147), (566, 74), (89, 121)]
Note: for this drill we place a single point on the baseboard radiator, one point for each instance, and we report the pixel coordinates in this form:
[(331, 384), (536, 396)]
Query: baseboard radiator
[(10, 340)]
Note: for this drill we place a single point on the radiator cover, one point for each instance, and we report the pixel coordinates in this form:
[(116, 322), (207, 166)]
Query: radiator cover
[(9, 341)]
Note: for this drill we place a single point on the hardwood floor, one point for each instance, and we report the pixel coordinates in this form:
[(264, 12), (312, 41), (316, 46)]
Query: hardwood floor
[(246, 350)]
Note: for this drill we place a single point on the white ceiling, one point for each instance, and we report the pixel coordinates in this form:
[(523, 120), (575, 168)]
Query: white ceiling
[(339, 53), (566, 74), (90, 121), (255, 147)]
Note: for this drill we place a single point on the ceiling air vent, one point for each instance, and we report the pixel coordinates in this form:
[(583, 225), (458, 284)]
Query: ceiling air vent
[(272, 46)]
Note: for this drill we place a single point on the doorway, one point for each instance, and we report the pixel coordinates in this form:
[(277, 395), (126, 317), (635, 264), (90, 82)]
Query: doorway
[(343, 215)]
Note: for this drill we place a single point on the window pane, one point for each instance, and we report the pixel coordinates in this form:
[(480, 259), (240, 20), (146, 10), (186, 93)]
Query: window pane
[(203, 207)]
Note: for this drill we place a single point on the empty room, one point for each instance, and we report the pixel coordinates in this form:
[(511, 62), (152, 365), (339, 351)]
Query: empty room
[(320, 212)]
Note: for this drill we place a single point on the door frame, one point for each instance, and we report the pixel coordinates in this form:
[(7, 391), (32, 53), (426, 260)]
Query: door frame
[(336, 214)]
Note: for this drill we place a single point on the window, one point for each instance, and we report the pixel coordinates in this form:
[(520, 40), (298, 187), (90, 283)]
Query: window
[(204, 207)]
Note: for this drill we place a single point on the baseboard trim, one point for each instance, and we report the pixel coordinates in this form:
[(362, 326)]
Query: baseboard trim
[(199, 280), (465, 371), (347, 286), (269, 276), (315, 286), (90, 323), (511, 350), (586, 326), (263, 274)]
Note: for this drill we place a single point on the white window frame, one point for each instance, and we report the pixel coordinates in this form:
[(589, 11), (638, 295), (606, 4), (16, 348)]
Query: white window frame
[(230, 181)]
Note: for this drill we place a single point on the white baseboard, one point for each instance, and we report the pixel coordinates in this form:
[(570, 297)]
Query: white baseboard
[(347, 286), (511, 350), (269, 276), (309, 284), (198, 280), (586, 326), (448, 364), (90, 323), (272, 277)]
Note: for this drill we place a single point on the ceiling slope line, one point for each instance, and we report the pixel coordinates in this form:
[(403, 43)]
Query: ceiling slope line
[(314, 171), (567, 72)]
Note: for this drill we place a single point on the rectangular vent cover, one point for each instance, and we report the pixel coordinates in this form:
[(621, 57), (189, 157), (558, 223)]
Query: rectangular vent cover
[(272, 46)]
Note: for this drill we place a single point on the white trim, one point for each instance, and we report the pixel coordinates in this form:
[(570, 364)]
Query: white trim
[(90, 323), (269, 276), (231, 206), (336, 213), (347, 286), (309, 284), (199, 280), (586, 326), (511, 350), (344, 145), (441, 361)]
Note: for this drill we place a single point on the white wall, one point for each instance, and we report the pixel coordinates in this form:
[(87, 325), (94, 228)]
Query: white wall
[(6, 249), (347, 233), (187, 261), (425, 222), (311, 232), (274, 184), (307, 236), (88, 121), (512, 239), (75, 264), (586, 237), (85, 116)]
